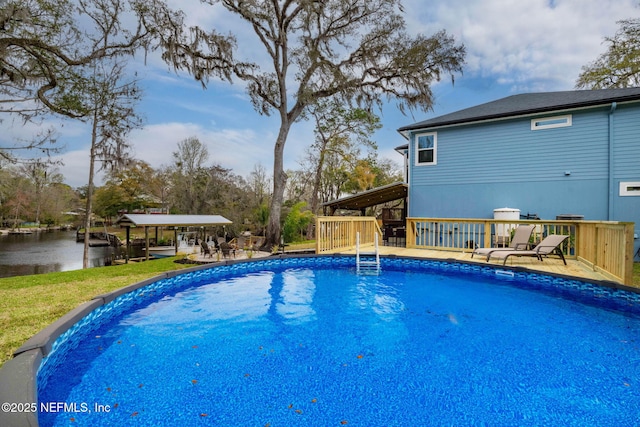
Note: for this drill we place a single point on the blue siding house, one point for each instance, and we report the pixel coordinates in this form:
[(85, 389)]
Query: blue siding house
[(552, 154)]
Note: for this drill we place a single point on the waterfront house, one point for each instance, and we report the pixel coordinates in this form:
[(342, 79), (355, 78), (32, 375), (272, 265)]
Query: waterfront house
[(571, 155)]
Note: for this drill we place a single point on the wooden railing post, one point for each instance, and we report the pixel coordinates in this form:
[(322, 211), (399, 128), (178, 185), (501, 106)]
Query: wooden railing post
[(628, 254), (487, 234)]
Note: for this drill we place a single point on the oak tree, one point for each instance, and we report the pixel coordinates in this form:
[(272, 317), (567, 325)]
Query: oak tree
[(358, 51)]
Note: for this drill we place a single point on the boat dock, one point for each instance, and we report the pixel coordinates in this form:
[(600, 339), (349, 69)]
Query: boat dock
[(97, 239)]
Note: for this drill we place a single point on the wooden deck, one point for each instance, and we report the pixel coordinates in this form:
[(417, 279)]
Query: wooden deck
[(551, 264), (598, 250)]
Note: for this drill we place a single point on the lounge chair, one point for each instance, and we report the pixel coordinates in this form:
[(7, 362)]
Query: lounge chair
[(547, 246), (519, 242)]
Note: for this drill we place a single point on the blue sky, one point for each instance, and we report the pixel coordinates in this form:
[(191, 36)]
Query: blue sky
[(513, 46)]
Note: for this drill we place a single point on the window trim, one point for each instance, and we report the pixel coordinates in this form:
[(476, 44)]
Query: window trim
[(435, 149), (558, 122), (630, 188)]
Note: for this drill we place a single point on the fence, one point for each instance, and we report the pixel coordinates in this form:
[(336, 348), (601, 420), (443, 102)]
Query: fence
[(337, 233), (605, 246), (608, 247)]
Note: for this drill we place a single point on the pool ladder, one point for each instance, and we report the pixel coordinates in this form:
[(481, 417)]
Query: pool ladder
[(367, 262)]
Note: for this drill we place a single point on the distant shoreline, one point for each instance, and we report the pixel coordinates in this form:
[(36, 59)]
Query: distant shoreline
[(29, 230)]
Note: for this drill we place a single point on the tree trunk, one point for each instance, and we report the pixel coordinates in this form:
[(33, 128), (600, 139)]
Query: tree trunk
[(315, 191), (87, 221), (279, 181)]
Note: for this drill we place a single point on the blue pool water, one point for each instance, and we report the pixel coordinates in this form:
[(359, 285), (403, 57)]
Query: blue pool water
[(300, 344)]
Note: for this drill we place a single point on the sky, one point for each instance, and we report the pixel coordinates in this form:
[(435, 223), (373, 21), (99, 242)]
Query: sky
[(513, 46)]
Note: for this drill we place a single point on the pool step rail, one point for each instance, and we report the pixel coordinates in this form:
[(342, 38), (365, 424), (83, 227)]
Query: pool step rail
[(367, 262)]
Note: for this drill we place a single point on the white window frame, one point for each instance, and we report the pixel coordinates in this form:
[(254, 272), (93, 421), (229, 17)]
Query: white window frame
[(630, 188), (418, 149), (551, 122)]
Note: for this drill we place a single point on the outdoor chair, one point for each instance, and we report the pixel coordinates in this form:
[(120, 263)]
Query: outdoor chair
[(206, 251), (547, 246), (519, 242), (227, 250), (241, 242), (258, 244)]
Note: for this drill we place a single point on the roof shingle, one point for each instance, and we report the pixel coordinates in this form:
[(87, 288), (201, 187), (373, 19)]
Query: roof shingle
[(529, 103)]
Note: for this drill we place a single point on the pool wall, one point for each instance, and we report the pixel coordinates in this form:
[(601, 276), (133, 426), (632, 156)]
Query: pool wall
[(19, 376)]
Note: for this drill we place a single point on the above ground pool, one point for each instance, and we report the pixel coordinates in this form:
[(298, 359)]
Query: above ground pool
[(308, 342)]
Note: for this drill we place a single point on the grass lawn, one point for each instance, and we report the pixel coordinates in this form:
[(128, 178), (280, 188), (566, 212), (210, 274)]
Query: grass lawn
[(30, 303)]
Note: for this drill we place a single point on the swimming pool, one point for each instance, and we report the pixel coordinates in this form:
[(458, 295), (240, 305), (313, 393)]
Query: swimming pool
[(306, 341)]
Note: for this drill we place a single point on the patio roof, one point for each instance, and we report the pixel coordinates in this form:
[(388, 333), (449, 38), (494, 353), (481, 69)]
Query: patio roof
[(154, 220), (375, 196)]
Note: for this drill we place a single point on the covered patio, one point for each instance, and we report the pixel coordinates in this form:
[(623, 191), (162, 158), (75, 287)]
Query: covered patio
[(393, 219)]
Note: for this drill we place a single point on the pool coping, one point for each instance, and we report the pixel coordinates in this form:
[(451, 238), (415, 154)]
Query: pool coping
[(18, 376)]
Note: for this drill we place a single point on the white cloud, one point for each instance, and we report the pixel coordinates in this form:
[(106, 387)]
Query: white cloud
[(238, 150), (235, 149), (529, 44), (76, 168)]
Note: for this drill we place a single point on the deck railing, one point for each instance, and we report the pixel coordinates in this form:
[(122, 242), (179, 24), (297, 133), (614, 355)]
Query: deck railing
[(605, 246), (608, 247), (338, 233)]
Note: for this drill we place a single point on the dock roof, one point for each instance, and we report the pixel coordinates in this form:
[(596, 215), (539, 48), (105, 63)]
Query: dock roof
[(161, 220)]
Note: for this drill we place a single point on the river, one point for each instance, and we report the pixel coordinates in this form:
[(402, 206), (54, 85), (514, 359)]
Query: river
[(45, 252)]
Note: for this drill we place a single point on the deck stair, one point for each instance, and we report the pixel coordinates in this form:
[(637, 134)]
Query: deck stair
[(367, 262)]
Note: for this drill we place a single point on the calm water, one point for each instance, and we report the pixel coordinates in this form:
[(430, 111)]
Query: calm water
[(326, 347), (45, 252)]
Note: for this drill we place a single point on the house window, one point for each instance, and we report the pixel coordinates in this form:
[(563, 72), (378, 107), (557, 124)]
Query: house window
[(426, 148), (551, 122), (630, 188)]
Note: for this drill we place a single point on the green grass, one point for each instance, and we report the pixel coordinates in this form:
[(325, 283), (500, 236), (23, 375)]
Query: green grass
[(30, 303)]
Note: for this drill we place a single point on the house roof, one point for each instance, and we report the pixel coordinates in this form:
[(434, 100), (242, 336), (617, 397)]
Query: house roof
[(375, 196), (529, 103), (144, 220)]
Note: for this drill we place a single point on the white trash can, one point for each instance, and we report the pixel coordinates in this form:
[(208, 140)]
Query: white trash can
[(503, 231)]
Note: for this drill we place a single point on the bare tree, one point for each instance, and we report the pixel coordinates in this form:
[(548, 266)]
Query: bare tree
[(259, 183), (357, 51), (43, 143), (189, 175), (111, 103), (37, 172)]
